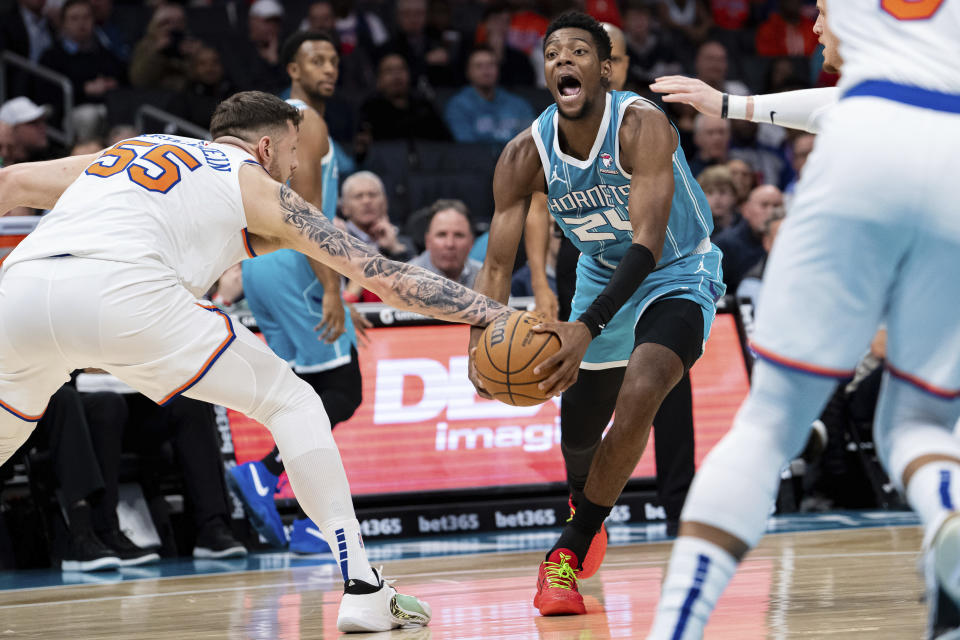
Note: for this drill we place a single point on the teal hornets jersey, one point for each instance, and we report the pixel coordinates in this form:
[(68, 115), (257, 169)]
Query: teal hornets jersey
[(330, 174), (287, 299), (588, 198)]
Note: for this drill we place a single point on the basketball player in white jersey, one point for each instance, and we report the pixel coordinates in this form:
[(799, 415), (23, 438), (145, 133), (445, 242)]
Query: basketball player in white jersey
[(873, 237), (111, 276)]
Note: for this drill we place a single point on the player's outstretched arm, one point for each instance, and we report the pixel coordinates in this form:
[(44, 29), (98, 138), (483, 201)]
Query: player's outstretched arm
[(792, 109), (299, 225), (40, 184)]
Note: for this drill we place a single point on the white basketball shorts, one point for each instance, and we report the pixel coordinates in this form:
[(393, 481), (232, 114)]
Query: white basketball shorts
[(873, 237), (135, 321)]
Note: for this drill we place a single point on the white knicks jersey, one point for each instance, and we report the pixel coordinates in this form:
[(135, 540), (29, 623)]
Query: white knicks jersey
[(152, 199), (911, 42)]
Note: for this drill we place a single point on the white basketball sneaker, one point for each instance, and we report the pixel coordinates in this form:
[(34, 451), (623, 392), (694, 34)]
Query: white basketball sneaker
[(378, 607)]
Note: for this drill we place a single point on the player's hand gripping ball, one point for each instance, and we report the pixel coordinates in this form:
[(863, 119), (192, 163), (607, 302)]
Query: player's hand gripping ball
[(508, 352)]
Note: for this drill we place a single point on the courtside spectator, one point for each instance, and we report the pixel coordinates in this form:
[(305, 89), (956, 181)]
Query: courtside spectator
[(770, 164), (253, 60), (742, 244), (360, 34), (108, 32), (191, 429), (800, 149), (744, 179), (651, 55), (752, 282), (484, 112), (29, 123), (78, 54), (787, 32), (495, 31), (730, 15), (689, 18), (396, 111), (160, 58), (363, 202), (448, 241), (320, 17), (82, 432), (25, 30), (717, 185), (711, 138), (431, 63), (206, 87), (712, 66)]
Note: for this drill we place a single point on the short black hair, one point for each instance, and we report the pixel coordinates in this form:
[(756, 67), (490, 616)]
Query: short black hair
[(481, 47), (293, 43), (251, 112), (580, 20), (71, 3)]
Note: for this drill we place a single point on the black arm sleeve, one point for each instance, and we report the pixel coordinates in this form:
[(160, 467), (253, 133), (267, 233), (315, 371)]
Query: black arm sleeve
[(635, 266)]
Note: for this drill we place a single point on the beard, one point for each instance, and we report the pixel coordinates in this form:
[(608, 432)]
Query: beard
[(585, 109)]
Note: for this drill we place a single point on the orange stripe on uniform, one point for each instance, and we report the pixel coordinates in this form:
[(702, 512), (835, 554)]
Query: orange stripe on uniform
[(209, 363), (246, 244), (20, 414), (946, 394), (798, 365)]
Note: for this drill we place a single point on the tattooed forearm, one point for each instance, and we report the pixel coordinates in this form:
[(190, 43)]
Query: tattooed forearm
[(402, 285), (420, 290)]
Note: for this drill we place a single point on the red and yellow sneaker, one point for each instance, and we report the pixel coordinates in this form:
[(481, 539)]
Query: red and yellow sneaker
[(597, 550), (557, 590)]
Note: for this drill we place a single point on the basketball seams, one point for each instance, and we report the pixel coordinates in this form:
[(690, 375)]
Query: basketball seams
[(486, 350), (509, 349), (539, 351)]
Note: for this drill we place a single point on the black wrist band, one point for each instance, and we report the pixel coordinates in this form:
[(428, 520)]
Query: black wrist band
[(724, 108)]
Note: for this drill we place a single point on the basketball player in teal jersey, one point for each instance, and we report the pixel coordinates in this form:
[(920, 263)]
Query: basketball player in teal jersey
[(619, 187), (293, 296)]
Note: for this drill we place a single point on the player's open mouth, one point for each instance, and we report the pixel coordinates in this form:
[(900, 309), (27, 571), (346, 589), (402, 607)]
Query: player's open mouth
[(568, 86)]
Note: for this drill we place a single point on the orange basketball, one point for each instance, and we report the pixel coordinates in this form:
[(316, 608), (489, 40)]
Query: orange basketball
[(507, 354)]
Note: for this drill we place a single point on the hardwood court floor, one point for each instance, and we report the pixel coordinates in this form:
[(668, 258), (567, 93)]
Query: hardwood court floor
[(822, 584)]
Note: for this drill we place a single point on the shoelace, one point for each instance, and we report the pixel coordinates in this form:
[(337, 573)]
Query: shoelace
[(560, 575)]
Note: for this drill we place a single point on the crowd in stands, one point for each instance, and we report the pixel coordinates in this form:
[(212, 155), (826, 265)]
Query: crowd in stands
[(427, 88)]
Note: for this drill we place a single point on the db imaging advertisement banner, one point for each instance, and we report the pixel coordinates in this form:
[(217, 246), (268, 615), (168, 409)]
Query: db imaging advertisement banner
[(422, 427)]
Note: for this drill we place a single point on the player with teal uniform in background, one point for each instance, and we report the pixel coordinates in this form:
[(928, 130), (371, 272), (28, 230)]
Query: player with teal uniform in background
[(618, 185), (293, 297)]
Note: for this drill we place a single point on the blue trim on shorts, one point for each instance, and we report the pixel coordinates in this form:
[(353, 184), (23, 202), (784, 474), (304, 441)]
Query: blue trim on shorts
[(210, 361), (913, 96)]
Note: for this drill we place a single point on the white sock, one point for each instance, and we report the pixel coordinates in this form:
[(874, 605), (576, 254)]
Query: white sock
[(698, 573), (321, 487), (934, 493)]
